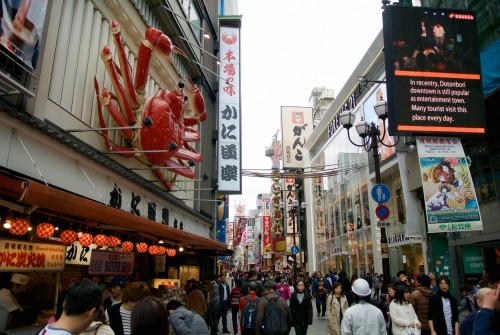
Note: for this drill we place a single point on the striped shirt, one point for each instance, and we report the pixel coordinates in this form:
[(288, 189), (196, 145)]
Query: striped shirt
[(126, 315)]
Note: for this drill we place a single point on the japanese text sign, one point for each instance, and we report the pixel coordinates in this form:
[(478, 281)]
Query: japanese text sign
[(103, 262), (26, 256), (229, 115), (297, 126)]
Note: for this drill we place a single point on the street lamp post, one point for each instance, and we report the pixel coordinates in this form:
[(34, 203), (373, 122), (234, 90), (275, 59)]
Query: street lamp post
[(371, 137), (293, 212)]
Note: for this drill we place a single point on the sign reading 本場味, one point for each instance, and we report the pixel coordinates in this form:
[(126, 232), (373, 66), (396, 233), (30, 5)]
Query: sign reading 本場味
[(229, 118)]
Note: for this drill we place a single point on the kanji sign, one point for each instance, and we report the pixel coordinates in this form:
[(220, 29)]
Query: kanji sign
[(26, 256), (104, 262)]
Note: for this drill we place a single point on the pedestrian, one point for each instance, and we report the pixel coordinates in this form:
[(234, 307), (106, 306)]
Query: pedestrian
[(282, 288), (301, 309), (402, 314), (119, 315), (486, 316), (224, 302), (291, 285), (196, 299), (362, 318), (336, 306), (248, 310), (213, 303), (467, 326), (252, 277), (401, 279), (320, 292), (116, 286), (235, 303), (419, 299), (83, 300), (9, 307), (183, 321), (149, 316), (443, 310), (376, 286), (466, 305), (273, 314)]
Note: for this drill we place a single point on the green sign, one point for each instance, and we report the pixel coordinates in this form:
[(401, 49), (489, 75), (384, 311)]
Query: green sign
[(473, 259), (440, 257)]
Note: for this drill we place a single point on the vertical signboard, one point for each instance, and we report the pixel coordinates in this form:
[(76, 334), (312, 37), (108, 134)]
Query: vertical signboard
[(297, 126), (267, 234), (290, 196), (450, 198), (433, 71), (229, 118)]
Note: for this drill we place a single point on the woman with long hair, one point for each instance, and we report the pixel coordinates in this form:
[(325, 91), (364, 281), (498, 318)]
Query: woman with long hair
[(336, 305), (443, 310), (402, 313), (301, 309)]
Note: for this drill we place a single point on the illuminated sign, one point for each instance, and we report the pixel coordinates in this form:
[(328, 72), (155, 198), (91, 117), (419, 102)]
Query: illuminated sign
[(27, 256), (433, 71)]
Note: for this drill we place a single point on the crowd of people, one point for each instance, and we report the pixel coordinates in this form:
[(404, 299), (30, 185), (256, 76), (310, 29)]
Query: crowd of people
[(261, 303)]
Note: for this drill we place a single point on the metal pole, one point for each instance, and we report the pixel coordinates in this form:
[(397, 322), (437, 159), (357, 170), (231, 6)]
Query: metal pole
[(294, 214), (374, 132)]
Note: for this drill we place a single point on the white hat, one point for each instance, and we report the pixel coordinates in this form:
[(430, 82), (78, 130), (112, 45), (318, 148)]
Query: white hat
[(20, 279), (361, 287)]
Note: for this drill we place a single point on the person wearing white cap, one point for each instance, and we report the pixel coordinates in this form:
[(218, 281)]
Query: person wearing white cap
[(362, 317), (8, 303)]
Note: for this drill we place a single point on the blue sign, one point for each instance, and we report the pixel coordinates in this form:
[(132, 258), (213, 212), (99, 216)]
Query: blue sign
[(295, 249), (382, 212), (381, 193)]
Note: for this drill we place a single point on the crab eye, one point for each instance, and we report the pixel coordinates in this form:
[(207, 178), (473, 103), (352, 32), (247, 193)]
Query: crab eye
[(181, 85), (185, 98)]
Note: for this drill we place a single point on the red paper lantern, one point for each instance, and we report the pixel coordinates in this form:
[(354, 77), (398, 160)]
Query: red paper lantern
[(153, 250), (85, 239), (127, 246), (68, 237), (142, 247), (171, 252), (100, 240), (113, 241), (19, 226), (45, 230), (162, 250)]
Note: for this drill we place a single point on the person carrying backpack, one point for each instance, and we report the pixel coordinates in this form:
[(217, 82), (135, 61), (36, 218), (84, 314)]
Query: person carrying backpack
[(248, 310), (273, 314)]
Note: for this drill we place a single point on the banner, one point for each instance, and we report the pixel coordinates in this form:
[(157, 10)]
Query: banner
[(26, 256), (111, 263), (450, 199), (238, 230), (297, 126), (267, 234)]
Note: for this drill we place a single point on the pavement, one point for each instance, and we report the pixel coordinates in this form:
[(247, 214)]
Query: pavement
[(317, 328)]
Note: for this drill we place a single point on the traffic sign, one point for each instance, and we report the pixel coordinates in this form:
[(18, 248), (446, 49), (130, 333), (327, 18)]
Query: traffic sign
[(382, 224), (382, 212), (295, 249), (381, 193)]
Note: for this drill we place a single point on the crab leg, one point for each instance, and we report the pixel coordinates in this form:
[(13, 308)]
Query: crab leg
[(102, 124), (197, 104), (155, 41), (126, 69), (177, 169), (107, 58)]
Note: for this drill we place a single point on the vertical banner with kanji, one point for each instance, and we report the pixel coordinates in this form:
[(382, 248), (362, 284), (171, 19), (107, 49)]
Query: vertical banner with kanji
[(267, 234), (229, 114), (450, 198), (297, 126)]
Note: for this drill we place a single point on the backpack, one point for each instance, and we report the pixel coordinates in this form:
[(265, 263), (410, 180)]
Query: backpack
[(275, 321), (249, 313)]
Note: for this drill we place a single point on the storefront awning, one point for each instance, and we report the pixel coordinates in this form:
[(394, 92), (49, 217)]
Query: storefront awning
[(32, 193)]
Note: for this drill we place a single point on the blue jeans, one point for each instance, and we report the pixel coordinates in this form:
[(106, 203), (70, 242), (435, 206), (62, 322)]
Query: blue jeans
[(321, 302), (223, 313)]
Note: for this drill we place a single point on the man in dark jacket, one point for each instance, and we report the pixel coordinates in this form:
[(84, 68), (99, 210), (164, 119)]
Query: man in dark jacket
[(213, 303), (224, 302), (420, 301), (467, 326), (252, 277), (270, 288)]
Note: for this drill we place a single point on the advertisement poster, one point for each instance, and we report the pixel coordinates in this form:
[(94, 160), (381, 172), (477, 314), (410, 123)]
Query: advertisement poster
[(109, 263), (450, 198), (21, 28), (433, 71), (27, 256)]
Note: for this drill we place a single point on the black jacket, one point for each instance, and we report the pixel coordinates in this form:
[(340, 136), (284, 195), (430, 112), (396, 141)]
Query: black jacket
[(115, 319), (436, 313), (302, 313)]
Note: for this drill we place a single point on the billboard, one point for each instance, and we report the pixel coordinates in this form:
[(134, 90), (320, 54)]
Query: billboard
[(229, 120), (21, 29), (450, 198), (297, 126), (433, 71)]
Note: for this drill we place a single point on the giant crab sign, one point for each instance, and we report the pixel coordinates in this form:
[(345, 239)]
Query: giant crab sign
[(157, 128)]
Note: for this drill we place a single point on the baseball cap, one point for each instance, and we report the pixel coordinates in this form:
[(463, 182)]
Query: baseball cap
[(118, 281)]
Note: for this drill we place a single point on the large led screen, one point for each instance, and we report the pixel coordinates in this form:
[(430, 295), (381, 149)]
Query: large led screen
[(433, 71)]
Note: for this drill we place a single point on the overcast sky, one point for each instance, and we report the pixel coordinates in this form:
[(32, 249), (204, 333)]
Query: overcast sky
[(288, 47)]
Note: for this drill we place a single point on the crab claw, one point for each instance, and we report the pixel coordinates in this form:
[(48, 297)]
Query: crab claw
[(197, 104)]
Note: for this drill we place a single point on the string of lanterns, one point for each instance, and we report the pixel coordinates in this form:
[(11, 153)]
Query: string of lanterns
[(45, 230)]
